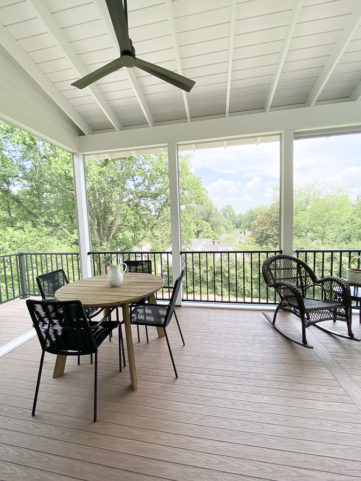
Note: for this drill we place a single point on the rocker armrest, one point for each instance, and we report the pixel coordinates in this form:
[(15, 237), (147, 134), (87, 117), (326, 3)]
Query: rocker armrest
[(296, 293), (337, 287)]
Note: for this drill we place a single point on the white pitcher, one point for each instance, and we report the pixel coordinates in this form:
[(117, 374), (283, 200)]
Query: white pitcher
[(115, 274)]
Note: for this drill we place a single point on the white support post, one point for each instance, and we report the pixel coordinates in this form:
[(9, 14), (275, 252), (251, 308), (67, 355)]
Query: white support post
[(175, 212), (82, 215), (286, 199)]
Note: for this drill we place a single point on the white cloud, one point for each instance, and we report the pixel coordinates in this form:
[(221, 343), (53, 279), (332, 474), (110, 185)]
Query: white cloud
[(252, 184), (241, 196)]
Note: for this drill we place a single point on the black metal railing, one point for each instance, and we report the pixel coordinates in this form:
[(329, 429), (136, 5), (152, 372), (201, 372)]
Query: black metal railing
[(226, 276), (212, 276), (161, 265), (10, 287), (18, 271), (328, 262)]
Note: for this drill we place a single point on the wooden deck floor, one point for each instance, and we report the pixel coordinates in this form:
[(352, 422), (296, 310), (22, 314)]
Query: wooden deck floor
[(248, 405)]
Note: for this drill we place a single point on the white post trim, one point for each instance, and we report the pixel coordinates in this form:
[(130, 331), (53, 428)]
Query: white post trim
[(175, 223), (286, 197), (82, 214)]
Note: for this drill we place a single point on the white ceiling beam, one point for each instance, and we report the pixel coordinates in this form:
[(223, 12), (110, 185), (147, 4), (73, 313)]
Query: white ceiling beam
[(16, 51), (230, 55), (140, 97), (338, 116), (104, 13), (45, 14), (346, 35), (170, 15), (286, 45), (356, 94)]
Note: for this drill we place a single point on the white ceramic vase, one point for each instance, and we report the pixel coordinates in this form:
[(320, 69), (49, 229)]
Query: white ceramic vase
[(354, 276), (115, 274)]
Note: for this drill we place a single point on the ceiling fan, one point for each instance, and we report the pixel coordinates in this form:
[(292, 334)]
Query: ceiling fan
[(119, 17)]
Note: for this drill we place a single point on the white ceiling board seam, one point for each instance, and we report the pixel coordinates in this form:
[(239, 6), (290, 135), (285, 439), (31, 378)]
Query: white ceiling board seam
[(168, 4), (295, 15), (45, 14), (348, 31), (230, 54), (18, 53), (104, 13)]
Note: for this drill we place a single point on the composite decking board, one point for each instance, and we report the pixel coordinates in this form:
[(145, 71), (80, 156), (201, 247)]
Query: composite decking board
[(187, 447), (131, 437), (16, 472), (248, 405)]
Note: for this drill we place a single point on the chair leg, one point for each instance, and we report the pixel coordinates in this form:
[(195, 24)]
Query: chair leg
[(146, 333), (180, 331), (95, 385), (38, 383), (121, 347), (138, 333), (349, 324), (304, 339), (170, 352), (109, 319)]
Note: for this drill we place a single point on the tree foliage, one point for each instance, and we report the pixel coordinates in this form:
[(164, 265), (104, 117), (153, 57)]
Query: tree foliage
[(37, 202)]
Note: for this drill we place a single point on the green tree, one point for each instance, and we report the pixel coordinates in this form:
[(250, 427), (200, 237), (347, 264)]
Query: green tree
[(266, 228), (229, 213), (128, 202), (37, 201)]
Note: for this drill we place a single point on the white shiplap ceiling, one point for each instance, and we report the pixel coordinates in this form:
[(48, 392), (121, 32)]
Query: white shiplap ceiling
[(245, 56)]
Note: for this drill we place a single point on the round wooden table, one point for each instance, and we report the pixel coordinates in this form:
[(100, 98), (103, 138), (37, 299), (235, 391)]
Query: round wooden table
[(96, 292)]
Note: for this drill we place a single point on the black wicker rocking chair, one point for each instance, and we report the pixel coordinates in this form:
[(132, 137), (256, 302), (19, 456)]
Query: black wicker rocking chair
[(312, 300)]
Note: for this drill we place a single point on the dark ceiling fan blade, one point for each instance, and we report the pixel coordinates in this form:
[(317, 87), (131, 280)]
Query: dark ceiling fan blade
[(120, 24), (100, 73), (173, 78)]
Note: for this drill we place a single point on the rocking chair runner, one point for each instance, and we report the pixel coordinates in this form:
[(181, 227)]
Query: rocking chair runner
[(312, 300)]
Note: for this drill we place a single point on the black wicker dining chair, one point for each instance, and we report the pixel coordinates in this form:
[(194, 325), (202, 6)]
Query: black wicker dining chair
[(157, 315), (311, 299), (63, 328), (50, 282), (141, 266)]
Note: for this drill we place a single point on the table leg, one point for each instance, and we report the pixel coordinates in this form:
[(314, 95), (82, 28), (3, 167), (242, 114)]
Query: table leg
[(59, 366), (130, 349), (153, 300)]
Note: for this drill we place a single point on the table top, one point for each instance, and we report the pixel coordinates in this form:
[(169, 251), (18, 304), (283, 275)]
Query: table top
[(96, 292)]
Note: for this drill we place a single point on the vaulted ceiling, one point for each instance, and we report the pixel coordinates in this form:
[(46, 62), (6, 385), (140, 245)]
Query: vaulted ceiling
[(245, 56)]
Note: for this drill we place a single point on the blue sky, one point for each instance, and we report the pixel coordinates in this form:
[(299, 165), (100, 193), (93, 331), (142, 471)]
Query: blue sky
[(243, 176), (246, 176)]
